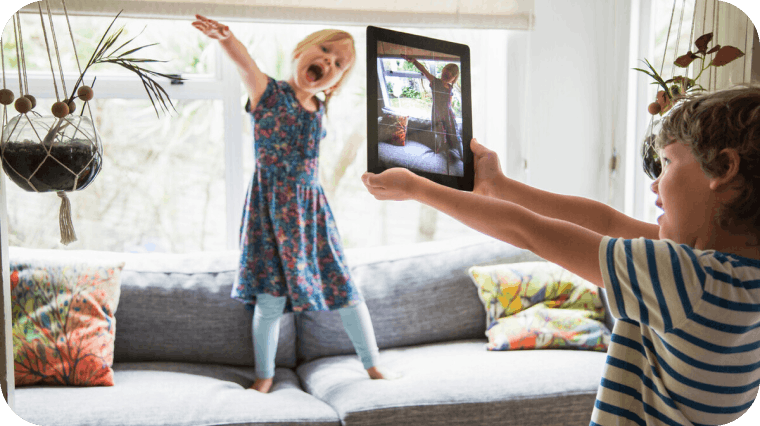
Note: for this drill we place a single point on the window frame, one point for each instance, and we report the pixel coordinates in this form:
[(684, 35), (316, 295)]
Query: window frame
[(224, 85)]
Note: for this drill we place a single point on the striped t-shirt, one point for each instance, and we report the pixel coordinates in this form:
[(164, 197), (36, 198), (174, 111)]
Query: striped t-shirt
[(686, 347)]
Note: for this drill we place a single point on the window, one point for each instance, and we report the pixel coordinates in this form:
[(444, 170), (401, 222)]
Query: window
[(177, 183), (661, 12), (408, 92)]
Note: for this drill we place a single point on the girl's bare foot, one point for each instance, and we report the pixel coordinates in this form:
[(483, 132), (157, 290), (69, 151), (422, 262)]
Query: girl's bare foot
[(374, 373), (382, 374), (262, 385)]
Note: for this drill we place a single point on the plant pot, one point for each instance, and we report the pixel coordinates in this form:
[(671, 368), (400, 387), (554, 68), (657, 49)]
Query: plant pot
[(43, 154)]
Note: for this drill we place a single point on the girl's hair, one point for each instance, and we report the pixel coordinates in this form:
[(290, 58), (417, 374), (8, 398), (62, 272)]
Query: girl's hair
[(451, 69), (325, 36), (712, 122)]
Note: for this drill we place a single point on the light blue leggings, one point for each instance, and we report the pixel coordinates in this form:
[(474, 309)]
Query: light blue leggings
[(266, 331)]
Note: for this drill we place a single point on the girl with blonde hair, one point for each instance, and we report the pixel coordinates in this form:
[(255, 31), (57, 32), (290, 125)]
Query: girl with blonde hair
[(291, 253)]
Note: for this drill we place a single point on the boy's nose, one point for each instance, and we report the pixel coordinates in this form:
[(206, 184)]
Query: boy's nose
[(655, 186)]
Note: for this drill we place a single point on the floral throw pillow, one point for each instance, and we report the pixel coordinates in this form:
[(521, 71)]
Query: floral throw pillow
[(63, 322), (392, 128), (540, 327), (398, 137), (534, 305)]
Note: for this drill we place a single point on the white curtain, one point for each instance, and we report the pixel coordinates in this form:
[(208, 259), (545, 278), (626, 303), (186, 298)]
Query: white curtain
[(730, 25), (567, 81)]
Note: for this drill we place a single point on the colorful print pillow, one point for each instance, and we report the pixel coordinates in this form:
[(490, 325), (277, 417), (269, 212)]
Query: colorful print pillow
[(540, 327), (392, 128), (398, 137), (533, 305), (63, 322)]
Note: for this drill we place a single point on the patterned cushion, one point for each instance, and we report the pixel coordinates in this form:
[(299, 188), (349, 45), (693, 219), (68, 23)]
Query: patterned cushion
[(540, 305), (63, 321), (539, 327), (392, 128)]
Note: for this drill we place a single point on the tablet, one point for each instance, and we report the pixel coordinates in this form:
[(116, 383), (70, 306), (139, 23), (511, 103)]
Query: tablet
[(419, 110)]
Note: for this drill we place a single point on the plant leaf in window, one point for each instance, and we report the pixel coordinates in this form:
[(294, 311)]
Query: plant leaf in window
[(702, 42), (726, 55)]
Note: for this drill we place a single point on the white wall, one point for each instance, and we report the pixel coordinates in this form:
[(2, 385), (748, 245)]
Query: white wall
[(564, 103)]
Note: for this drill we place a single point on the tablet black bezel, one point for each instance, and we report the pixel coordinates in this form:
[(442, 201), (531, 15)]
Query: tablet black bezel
[(375, 34)]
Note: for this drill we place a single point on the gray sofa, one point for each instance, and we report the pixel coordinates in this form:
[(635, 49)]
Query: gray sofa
[(183, 351), (418, 153)]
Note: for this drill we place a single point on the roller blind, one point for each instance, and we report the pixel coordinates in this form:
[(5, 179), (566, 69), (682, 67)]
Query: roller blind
[(493, 14)]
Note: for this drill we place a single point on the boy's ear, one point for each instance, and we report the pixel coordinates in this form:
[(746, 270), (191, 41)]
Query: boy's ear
[(732, 160)]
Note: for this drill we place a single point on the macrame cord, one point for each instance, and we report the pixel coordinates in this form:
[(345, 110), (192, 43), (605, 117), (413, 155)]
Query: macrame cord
[(54, 134)]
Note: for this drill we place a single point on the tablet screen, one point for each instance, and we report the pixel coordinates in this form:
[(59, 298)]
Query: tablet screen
[(419, 108)]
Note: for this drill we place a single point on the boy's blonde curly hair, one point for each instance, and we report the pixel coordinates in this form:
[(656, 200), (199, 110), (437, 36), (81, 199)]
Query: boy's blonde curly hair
[(710, 123)]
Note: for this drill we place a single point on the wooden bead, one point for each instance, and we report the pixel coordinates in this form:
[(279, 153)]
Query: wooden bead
[(72, 107), (32, 99), (60, 109), (654, 108), (85, 93), (23, 105), (6, 96)]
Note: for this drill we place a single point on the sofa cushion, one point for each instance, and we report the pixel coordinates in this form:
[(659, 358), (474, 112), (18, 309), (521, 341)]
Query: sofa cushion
[(177, 307), (539, 327), (416, 294), (176, 394), (532, 305), (461, 383), (63, 319), (391, 128)]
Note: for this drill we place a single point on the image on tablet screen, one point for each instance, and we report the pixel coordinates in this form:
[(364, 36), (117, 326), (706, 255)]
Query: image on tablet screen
[(419, 110)]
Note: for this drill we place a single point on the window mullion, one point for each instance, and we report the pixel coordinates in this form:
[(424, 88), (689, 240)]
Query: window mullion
[(233, 145)]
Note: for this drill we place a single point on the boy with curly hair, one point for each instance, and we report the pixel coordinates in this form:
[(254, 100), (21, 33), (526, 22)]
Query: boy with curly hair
[(686, 291)]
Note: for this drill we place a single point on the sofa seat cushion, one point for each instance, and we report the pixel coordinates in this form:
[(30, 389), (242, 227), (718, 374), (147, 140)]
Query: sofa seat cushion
[(417, 156), (461, 383), (175, 394)]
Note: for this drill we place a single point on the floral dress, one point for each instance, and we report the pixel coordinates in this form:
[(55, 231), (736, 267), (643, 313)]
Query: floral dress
[(289, 242), (444, 122)]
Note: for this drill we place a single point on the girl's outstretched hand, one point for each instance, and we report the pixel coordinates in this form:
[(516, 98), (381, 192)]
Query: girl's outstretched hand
[(487, 169), (393, 184), (212, 28)]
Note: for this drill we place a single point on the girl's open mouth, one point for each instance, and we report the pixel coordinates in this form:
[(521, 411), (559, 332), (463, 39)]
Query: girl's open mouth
[(314, 72)]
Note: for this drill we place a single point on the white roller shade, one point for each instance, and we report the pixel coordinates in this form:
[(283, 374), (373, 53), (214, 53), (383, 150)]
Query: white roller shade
[(504, 14)]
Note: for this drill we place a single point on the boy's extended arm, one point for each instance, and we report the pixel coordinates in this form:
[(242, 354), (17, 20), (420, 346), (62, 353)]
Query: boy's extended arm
[(591, 214), (254, 80), (567, 244)]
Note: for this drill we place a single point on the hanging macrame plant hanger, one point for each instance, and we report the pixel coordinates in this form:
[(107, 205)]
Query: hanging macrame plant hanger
[(678, 86), (63, 152)]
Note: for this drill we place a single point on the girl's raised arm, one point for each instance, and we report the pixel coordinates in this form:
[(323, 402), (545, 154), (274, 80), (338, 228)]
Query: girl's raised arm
[(420, 67), (254, 80)]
